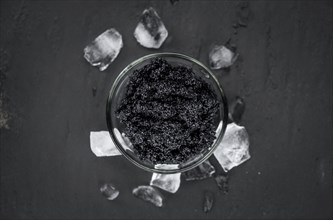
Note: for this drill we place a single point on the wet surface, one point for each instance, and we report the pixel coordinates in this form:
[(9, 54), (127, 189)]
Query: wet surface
[(208, 202), (48, 106)]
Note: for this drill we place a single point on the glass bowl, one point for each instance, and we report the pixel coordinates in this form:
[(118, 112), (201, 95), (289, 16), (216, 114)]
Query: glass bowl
[(117, 93)]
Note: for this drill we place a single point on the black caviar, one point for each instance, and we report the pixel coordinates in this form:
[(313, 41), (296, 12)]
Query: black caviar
[(168, 113)]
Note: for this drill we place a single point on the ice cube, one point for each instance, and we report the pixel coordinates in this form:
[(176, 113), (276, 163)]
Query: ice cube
[(104, 49), (222, 182), (167, 182), (234, 148), (150, 31), (149, 194), (236, 110), (102, 145), (203, 171), (208, 201), (221, 57), (109, 191)]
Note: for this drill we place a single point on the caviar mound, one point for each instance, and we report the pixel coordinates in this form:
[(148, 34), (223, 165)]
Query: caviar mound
[(168, 113)]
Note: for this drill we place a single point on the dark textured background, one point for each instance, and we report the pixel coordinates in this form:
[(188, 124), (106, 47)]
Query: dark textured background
[(48, 109)]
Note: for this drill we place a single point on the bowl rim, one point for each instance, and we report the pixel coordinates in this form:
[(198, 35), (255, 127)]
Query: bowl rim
[(109, 118)]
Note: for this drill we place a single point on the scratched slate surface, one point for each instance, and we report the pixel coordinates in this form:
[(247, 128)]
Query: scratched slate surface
[(284, 73)]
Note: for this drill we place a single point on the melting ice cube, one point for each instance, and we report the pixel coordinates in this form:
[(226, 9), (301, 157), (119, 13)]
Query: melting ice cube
[(234, 148), (221, 57), (150, 31), (102, 145), (109, 191), (236, 110), (104, 49), (208, 202), (203, 171), (149, 194), (167, 182)]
